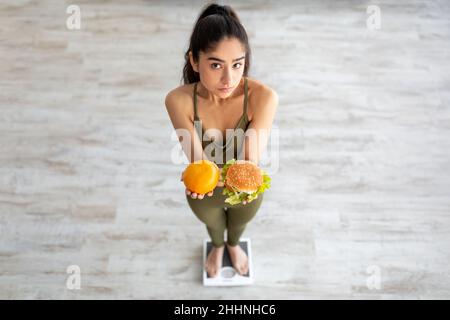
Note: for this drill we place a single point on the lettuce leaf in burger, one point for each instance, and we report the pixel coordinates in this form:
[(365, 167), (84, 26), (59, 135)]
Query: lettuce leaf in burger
[(243, 181)]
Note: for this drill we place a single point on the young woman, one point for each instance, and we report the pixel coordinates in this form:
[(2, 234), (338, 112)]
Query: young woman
[(217, 94)]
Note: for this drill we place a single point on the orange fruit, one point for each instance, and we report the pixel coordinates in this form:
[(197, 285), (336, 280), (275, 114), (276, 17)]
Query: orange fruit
[(201, 176)]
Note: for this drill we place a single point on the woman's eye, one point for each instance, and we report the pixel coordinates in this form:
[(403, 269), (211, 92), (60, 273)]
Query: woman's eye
[(216, 64)]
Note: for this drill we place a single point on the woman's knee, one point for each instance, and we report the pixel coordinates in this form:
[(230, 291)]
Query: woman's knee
[(213, 222), (240, 218)]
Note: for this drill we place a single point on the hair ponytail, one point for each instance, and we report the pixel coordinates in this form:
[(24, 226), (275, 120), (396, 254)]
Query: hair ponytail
[(215, 23)]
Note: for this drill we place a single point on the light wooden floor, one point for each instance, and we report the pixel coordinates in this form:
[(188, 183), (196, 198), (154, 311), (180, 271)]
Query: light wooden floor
[(364, 164)]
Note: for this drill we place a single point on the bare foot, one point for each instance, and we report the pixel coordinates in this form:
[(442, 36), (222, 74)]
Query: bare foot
[(214, 261), (239, 259)]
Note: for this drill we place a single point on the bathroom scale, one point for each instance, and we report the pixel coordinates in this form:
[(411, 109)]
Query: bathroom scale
[(228, 276)]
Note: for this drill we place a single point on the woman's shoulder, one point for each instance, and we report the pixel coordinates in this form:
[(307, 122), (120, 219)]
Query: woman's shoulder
[(179, 101), (182, 92), (259, 90), (180, 97)]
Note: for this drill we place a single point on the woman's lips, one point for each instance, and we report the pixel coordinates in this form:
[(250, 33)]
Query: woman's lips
[(226, 89)]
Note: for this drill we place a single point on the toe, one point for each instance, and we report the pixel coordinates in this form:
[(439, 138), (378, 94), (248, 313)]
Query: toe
[(213, 273)]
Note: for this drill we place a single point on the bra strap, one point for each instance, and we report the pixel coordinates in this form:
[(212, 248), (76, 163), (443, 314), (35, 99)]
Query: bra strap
[(245, 97), (195, 102), (197, 123)]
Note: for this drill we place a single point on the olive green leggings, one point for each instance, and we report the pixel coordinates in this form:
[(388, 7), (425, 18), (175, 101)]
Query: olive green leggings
[(218, 215)]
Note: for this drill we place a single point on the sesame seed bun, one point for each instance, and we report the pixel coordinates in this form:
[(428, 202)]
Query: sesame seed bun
[(244, 176)]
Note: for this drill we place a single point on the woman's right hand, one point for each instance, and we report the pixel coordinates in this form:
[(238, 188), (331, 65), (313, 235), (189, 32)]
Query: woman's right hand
[(200, 196)]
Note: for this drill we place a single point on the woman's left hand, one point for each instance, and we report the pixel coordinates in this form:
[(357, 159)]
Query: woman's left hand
[(220, 183)]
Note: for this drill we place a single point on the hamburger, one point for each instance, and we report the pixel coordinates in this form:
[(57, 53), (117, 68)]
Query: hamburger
[(243, 181)]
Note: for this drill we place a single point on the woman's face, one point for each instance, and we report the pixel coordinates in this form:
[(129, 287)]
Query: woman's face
[(221, 68)]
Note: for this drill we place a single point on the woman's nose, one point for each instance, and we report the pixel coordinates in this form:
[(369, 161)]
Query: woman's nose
[(226, 78)]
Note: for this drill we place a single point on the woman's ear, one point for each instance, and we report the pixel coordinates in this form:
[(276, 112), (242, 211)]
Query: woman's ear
[(193, 64)]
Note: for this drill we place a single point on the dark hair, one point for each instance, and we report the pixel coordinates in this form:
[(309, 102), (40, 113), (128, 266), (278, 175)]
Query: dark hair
[(215, 23)]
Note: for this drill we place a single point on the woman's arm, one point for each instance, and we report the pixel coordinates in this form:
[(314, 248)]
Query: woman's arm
[(179, 111), (255, 141)]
